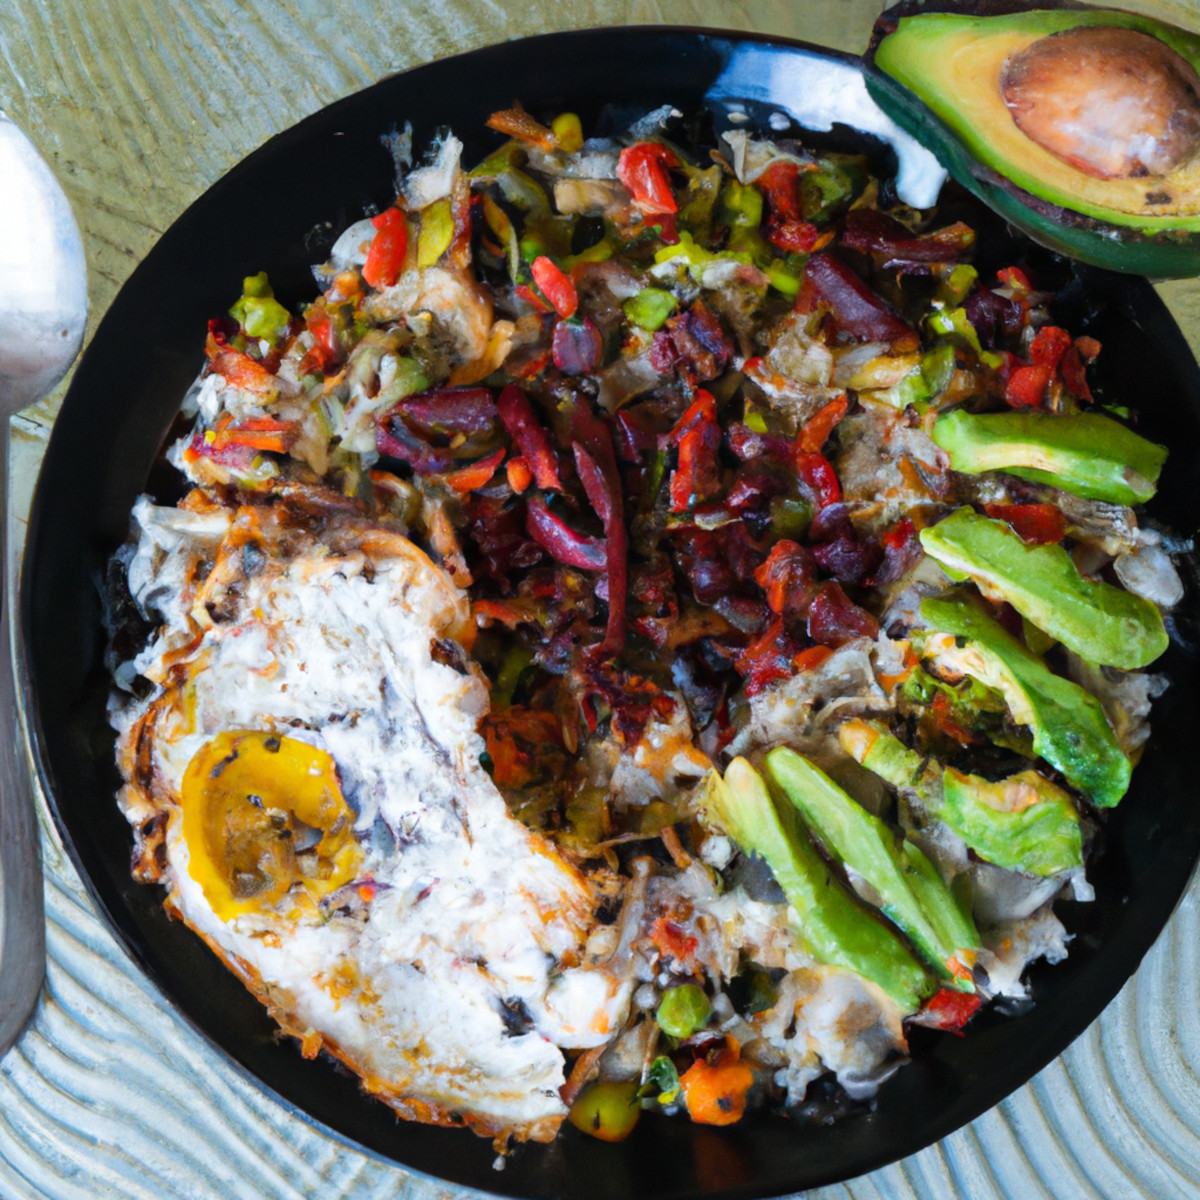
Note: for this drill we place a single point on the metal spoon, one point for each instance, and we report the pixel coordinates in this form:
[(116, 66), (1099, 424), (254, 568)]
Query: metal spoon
[(43, 308)]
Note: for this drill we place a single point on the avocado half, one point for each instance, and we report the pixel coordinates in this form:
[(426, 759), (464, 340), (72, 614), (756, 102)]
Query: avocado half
[(950, 79)]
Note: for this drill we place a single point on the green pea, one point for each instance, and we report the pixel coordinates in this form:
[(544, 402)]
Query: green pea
[(683, 1010)]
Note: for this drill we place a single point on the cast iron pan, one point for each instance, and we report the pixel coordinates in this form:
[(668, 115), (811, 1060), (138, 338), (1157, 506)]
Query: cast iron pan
[(280, 210)]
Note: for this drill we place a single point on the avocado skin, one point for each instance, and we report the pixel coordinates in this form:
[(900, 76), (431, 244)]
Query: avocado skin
[(1139, 246)]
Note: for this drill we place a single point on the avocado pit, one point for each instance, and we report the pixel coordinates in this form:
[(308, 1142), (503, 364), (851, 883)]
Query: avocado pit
[(1110, 101)]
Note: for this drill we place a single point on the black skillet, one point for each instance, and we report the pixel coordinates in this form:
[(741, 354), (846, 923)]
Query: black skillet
[(279, 210)]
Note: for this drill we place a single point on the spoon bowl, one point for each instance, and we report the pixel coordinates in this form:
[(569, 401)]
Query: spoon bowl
[(43, 310)]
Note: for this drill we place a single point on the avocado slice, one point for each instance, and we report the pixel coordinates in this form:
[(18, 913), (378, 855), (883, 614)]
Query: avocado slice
[(913, 893), (1086, 454), (990, 96), (834, 926), (1070, 730), (1022, 823), (1101, 623)]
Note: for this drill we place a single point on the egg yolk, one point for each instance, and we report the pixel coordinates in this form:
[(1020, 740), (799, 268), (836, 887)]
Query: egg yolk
[(262, 814)]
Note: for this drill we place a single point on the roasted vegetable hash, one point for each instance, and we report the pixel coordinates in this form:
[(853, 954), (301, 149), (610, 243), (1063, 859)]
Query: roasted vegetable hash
[(657, 626)]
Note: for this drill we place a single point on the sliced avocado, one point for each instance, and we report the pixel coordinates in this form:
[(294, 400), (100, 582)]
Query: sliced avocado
[(1116, 184), (1070, 730), (834, 926), (1102, 623), (913, 894), (1023, 823), (1086, 454)]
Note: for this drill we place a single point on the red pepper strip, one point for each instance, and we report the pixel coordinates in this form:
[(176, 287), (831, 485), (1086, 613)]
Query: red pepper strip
[(856, 308), (1015, 278), (698, 437), (385, 258), (242, 371), (467, 479), (784, 226), (555, 286), (642, 168), (1041, 524), (1049, 344), (593, 435), (326, 351), (818, 475), (516, 123), (256, 433), (557, 537), (510, 613), (1026, 386), (518, 417), (822, 423), (526, 293), (1073, 369), (812, 658), (449, 410), (949, 1010), (874, 231)]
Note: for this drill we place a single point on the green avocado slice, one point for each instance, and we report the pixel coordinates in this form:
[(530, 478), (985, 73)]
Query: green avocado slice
[(940, 75), (1087, 454), (1102, 623), (834, 926), (913, 893), (1041, 837), (1070, 730)]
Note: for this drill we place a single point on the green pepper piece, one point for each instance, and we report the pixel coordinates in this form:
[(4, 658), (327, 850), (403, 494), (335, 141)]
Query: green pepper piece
[(1041, 838), (956, 283), (953, 323), (436, 232), (921, 387), (664, 1077), (867, 846), (1102, 623), (1086, 454), (1070, 730), (833, 925), (649, 308), (826, 192), (258, 312)]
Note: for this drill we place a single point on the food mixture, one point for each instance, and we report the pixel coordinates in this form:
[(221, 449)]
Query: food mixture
[(660, 624)]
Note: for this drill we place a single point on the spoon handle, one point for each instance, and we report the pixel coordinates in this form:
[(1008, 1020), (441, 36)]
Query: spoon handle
[(22, 922)]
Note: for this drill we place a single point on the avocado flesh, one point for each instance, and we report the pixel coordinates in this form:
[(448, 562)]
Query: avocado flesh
[(1087, 454), (834, 926), (1039, 834), (914, 895), (1070, 730), (1101, 623), (939, 77)]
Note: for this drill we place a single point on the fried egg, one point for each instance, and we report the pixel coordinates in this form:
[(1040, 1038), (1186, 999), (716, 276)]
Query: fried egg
[(304, 778)]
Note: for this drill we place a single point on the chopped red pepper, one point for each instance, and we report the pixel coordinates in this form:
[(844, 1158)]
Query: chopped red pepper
[(243, 371), (812, 658), (822, 423), (1049, 344), (519, 475), (698, 437), (817, 474), (642, 168), (256, 433), (784, 226), (768, 658), (1073, 367), (385, 258), (526, 293), (789, 579), (1040, 524), (1026, 386), (555, 286), (834, 619), (949, 1010)]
